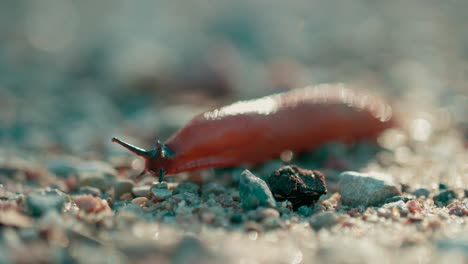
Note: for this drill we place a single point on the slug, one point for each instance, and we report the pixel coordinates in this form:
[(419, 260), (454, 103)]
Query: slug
[(249, 132)]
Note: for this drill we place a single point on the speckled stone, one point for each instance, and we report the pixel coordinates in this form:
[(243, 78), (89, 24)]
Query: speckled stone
[(254, 192), (366, 189)]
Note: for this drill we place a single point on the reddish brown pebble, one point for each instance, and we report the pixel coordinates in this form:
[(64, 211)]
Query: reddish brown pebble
[(125, 196), (140, 201), (413, 206), (299, 186), (458, 208), (90, 204)]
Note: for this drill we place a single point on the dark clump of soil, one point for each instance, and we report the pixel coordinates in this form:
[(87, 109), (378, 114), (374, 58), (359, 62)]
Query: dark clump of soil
[(299, 186)]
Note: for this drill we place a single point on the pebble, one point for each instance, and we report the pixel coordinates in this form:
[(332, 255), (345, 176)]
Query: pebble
[(141, 191), (213, 188), (269, 213), (90, 190), (187, 186), (299, 186), (40, 202), (140, 201), (12, 217), (366, 189), (458, 208), (323, 220), (96, 174), (123, 186), (90, 204), (305, 211), (421, 192), (254, 192), (160, 191), (444, 197)]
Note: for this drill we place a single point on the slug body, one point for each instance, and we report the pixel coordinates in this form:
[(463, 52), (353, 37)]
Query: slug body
[(249, 132)]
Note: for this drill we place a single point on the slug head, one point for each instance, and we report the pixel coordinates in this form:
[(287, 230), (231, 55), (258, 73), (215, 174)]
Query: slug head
[(156, 159)]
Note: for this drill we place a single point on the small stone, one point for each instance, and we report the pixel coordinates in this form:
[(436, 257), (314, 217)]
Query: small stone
[(366, 189), (140, 201), (188, 187), (39, 202), (443, 198), (207, 216), (142, 191), (323, 220), (305, 211), (214, 188), (254, 192), (123, 186), (458, 208), (299, 186), (96, 174), (90, 204), (90, 190), (12, 217), (421, 192), (396, 199), (413, 206), (125, 196), (237, 218), (160, 191), (443, 186), (268, 213)]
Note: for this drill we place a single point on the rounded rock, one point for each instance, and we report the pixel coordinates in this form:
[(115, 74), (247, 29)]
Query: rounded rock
[(366, 189)]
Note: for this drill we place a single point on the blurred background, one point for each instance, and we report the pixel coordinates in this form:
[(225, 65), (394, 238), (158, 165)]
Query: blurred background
[(75, 73)]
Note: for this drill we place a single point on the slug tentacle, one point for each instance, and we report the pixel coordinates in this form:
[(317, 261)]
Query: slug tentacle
[(156, 159)]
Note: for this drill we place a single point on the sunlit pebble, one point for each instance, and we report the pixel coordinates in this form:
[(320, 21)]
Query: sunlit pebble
[(392, 139), (402, 155), (253, 235), (420, 129), (287, 156)]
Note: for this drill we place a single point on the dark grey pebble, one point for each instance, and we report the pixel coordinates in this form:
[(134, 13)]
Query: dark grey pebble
[(421, 192), (122, 186), (443, 198), (299, 186), (40, 202), (366, 189)]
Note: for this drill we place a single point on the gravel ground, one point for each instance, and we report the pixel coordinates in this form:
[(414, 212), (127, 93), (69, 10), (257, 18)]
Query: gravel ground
[(75, 75)]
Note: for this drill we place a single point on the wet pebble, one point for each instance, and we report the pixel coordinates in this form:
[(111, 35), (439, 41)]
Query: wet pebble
[(299, 186), (254, 192), (123, 186), (40, 202), (366, 189)]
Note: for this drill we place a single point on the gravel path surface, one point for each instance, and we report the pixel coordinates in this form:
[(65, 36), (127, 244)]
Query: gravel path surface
[(73, 75)]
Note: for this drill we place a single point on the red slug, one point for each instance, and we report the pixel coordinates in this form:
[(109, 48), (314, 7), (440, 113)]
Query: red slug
[(257, 130)]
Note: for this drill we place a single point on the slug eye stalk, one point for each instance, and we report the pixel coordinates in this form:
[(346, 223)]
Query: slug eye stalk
[(154, 158)]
